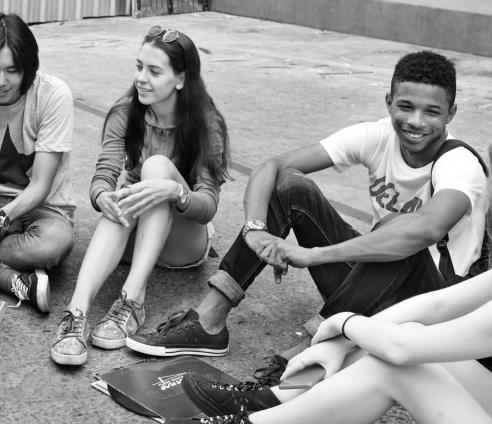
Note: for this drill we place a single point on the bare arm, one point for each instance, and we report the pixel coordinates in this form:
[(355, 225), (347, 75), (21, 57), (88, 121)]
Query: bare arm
[(43, 172), (404, 235), (384, 331), (428, 308), (442, 305), (399, 238), (463, 338), (263, 177)]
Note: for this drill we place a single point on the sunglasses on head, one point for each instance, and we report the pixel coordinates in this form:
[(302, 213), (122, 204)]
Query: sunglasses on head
[(168, 35)]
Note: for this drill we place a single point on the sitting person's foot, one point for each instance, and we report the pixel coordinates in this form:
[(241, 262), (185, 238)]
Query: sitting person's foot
[(69, 346), (216, 398), (124, 319), (34, 288), (181, 334), (270, 374), (239, 417)]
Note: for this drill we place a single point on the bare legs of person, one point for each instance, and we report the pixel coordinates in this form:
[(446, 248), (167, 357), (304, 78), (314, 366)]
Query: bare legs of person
[(153, 230), (213, 311), (361, 393)]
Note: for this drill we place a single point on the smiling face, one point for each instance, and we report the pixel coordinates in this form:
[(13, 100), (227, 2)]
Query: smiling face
[(10, 78), (419, 114), (155, 79)]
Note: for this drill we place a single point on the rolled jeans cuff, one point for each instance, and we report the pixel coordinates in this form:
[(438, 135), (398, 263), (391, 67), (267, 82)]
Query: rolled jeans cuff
[(224, 283)]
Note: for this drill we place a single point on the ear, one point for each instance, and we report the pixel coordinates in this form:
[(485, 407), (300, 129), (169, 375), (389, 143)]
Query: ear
[(452, 112), (389, 100), (181, 81)]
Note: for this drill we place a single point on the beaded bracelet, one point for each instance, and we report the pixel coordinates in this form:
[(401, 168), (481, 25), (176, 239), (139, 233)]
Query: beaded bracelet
[(345, 322)]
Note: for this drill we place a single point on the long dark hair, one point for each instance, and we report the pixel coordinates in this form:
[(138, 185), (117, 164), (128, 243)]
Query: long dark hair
[(194, 107), (16, 35)]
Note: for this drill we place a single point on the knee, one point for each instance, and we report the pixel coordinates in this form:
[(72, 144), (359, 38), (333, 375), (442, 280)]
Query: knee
[(384, 373), (292, 180), (60, 245), (158, 166)]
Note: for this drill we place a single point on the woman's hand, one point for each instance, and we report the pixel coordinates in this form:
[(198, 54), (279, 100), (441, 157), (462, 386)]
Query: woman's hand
[(107, 202), (140, 197), (329, 354), (330, 327)]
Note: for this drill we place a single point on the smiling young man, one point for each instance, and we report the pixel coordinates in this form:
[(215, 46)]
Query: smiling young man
[(360, 273), (36, 205)]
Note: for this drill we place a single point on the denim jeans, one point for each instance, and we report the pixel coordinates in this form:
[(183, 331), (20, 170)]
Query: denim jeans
[(298, 204), (40, 238)]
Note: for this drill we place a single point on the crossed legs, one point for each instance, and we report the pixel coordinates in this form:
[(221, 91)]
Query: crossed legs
[(361, 393)]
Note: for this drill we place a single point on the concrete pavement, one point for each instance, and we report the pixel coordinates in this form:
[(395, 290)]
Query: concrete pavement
[(279, 86)]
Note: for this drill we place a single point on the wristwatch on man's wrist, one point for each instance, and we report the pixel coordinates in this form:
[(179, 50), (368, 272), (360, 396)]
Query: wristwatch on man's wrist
[(183, 199), (253, 225), (4, 220)]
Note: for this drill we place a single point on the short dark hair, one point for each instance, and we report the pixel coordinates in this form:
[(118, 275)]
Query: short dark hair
[(16, 35), (428, 68)]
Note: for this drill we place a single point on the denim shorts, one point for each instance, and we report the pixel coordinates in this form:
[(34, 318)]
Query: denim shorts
[(210, 234)]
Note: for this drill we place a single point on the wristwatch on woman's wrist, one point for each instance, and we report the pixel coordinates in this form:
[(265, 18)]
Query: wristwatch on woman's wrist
[(4, 220), (183, 199)]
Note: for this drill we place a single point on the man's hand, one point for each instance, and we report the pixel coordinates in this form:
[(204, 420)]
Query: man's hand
[(330, 355), (256, 241), (107, 202), (140, 197), (283, 251)]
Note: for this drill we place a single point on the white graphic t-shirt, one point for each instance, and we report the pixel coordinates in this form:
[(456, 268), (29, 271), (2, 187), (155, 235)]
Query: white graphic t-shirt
[(40, 121), (394, 186)]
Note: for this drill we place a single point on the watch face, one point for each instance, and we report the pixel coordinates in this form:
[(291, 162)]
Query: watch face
[(4, 222), (184, 196), (256, 224)]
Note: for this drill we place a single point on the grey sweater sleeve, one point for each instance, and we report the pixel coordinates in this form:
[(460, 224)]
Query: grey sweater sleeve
[(112, 156)]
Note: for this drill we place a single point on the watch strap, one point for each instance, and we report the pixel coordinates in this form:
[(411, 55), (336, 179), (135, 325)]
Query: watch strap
[(253, 225)]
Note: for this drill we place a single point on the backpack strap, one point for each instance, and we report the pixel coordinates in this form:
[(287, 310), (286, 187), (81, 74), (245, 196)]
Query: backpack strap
[(452, 144), (445, 263)]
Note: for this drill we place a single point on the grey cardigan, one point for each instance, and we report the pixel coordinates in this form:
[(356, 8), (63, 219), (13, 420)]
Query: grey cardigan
[(158, 141)]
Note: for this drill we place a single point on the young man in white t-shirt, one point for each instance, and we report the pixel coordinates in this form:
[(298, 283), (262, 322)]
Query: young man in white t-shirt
[(359, 273), (36, 205)]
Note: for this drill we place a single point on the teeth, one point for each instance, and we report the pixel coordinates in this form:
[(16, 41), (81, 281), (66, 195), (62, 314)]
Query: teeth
[(414, 135)]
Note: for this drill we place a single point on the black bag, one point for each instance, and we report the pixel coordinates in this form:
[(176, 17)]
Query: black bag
[(445, 264)]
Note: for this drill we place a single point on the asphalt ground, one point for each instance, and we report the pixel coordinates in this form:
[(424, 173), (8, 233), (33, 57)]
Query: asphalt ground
[(280, 87)]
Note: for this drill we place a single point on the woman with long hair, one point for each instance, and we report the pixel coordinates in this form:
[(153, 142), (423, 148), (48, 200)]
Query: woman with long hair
[(172, 141)]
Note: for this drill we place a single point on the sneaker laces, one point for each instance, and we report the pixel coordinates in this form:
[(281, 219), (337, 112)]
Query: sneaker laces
[(72, 325), (20, 288), (243, 386), (240, 418), (120, 311), (172, 320), (270, 374)]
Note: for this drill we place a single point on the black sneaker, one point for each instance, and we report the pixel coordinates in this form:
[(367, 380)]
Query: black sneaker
[(238, 418), (34, 288), (215, 398), (270, 375), (181, 334)]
